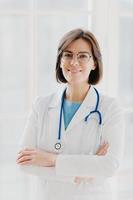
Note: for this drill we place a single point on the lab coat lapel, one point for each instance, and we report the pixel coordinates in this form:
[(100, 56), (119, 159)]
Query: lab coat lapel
[(55, 105), (86, 107)]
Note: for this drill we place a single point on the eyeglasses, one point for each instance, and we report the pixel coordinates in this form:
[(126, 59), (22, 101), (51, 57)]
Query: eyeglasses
[(82, 57)]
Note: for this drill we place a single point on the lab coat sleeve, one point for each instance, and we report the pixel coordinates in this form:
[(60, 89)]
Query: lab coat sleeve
[(29, 140), (93, 165)]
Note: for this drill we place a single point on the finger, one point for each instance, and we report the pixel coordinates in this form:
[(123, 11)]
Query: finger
[(99, 151), (26, 152), (102, 152), (100, 148), (23, 155), (24, 158), (27, 149), (107, 144), (103, 147), (28, 162)]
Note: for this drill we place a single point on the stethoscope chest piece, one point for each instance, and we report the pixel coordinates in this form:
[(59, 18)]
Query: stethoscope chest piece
[(95, 111), (58, 146)]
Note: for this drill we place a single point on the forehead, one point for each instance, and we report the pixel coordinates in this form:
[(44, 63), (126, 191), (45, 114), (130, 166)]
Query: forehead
[(79, 45)]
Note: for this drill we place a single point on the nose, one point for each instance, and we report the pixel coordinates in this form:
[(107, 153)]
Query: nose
[(74, 60)]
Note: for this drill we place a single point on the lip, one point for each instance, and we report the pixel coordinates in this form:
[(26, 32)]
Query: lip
[(74, 71)]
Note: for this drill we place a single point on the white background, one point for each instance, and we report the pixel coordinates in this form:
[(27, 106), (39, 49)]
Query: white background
[(29, 34)]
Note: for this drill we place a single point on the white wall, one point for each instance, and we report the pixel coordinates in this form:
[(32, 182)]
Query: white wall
[(29, 35)]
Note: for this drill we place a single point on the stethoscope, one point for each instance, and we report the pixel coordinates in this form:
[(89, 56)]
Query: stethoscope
[(95, 111)]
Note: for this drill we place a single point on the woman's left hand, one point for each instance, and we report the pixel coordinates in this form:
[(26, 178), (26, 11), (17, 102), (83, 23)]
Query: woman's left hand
[(36, 157), (102, 150)]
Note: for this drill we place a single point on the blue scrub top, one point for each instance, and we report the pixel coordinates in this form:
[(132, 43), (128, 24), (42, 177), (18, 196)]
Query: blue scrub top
[(69, 110)]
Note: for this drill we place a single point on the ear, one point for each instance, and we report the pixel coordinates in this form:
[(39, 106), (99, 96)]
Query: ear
[(93, 66)]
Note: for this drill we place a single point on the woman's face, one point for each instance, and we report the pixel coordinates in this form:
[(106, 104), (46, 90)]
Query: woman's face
[(77, 62)]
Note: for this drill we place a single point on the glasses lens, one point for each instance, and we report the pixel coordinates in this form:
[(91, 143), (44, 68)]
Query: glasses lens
[(83, 57), (67, 56)]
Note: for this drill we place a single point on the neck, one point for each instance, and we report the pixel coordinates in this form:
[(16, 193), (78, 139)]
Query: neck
[(76, 93)]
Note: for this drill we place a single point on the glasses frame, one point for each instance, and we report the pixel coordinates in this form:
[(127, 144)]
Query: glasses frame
[(77, 54)]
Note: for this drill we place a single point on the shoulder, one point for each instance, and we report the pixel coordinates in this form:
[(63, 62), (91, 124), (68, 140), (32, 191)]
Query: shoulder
[(110, 107), (107, 102), (40, 103)]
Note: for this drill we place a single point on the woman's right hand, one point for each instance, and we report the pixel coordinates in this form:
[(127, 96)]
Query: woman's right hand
[(100, 152), (103, 149)]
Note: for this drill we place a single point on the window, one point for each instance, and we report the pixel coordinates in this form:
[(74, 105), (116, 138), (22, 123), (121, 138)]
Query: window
[(30, 31), (125, 80)]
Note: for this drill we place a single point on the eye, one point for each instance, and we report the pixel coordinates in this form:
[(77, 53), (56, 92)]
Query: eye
[(83, 56), (67, 55)]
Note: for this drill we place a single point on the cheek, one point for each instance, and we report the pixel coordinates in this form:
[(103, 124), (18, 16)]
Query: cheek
[(87, 69), (64, 70), (92, 65), (86, 72), (62, 65)]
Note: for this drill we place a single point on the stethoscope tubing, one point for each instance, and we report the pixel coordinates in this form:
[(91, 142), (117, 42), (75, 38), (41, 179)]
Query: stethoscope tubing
[(95, 111)]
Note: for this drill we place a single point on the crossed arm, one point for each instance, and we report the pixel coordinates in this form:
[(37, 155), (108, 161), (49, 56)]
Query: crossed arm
[(37, 157), (54, 166)]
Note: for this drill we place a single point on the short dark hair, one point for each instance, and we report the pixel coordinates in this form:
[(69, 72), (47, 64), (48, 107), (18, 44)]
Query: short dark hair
[(96, 74)]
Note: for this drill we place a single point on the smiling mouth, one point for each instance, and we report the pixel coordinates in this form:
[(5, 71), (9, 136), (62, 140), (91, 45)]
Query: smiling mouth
[(74, 71)]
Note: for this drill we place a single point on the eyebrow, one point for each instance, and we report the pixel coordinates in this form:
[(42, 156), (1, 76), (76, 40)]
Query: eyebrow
[(78, 52)]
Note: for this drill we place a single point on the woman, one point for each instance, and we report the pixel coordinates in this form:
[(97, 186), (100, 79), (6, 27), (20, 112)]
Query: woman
[(73, 140)]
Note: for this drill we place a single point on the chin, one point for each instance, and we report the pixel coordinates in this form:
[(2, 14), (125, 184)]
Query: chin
[(78, 81)]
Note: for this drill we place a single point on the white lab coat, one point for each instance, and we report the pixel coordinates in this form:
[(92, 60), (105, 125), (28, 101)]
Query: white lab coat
[(79, 144)]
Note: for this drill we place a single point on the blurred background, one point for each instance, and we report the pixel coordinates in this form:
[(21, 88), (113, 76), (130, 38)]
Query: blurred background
[(29, 34)]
